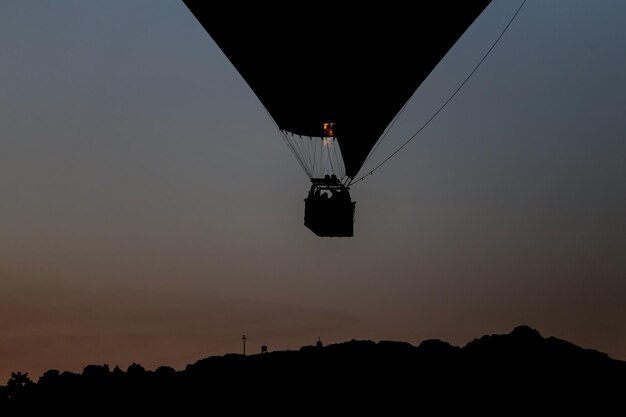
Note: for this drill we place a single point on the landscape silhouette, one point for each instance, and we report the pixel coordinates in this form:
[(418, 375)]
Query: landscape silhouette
[(520, 371)]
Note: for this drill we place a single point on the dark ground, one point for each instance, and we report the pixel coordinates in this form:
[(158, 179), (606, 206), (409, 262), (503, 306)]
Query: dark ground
[(513, 374)]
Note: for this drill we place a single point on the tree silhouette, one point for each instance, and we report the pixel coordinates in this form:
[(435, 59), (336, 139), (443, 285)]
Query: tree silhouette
[(19, 385), (521, 369)]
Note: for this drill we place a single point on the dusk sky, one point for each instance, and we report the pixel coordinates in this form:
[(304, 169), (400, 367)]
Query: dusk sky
[(150, 211)]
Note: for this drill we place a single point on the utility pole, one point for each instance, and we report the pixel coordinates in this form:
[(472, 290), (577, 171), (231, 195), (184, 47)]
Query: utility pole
[(244, 338)]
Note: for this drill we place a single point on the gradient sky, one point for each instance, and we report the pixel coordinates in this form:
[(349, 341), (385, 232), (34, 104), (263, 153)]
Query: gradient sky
[(151, 213)]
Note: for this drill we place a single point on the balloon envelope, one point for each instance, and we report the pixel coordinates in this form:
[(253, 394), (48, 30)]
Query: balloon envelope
[(351, 71)]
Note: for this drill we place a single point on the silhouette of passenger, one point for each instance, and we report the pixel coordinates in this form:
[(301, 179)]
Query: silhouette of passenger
[(334, 179), (340, 194), (326, 179)]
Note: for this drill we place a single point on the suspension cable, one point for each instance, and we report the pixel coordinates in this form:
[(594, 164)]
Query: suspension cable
[(291, 146), (417, 132), (330, 158), (393, 122)]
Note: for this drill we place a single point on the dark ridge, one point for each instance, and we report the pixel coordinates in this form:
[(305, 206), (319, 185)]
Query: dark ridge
[(519, 372)]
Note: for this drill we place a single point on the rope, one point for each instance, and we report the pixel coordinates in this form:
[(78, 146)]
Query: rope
[(330, 158), (291, 145), (283, 134), (393, 122), (417, 132)]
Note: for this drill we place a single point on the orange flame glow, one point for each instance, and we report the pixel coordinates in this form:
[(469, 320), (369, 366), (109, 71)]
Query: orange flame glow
[(329, 129)]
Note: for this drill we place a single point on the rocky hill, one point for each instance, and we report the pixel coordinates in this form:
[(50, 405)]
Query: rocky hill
[(516, 373)]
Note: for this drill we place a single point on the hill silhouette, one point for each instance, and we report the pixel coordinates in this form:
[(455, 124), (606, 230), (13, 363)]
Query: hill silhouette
[(507, 374)]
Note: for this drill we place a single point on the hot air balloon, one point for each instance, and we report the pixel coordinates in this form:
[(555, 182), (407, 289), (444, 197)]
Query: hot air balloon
[(333, 79)]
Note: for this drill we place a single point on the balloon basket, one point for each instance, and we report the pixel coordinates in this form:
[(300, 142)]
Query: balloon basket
[(329, 210)]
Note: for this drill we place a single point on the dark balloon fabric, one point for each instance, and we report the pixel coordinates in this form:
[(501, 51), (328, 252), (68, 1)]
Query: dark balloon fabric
[(356, 67)]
